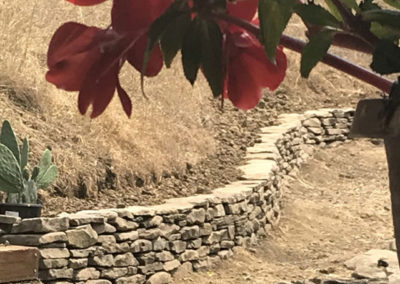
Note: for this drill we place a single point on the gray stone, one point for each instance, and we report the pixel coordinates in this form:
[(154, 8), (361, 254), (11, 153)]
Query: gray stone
[(201, 264), (106, 239), (219, 210), (98, 281), (164, 256), (141, 246), (316, 130), (114, 273), (81, 253), (129, 236), (160, 278), (168, 229), (160, 244), (106, 260), (189, 233), (227, 244), (53, 263), (203, 251), (126, 259), (153, 222), (34, 239), (151, 268), (86, 274), (174, 237), (184, 270), (214, 248), (196, 216), (5, 219), (149, 234), (82, 236), (171, 265), (136, 279), (54, 253), (225, 254), (41, 225), (123, 225), (104, 228), (52, 274), (195, 244), (214, 237), (116, 247), (77, 263), (189, 255), (80, 219), (206, 229), (312, 122), (146, 258), (178, 246)]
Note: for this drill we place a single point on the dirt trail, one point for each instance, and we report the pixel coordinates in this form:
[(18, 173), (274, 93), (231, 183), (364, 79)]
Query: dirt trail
[(335, 208)]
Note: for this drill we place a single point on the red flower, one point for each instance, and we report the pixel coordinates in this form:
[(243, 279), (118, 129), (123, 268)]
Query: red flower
[(88, 59), (247, 69)]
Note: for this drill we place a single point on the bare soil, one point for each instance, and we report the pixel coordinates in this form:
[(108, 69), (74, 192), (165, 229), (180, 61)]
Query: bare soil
[(337, 207)]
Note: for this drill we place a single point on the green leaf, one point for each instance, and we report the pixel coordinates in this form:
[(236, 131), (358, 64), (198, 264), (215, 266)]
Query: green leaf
[(11, 180), (385, 32), (211, 55), (386, 58), (156, 30), (316, 15), (8, 138), (334, 10), (393, 3), (191, 51), (45, 160), (47, 178), (314, 51), (24, 153), (171, 40), (274, 16), (367, 5), (384, 17), (351, 4)]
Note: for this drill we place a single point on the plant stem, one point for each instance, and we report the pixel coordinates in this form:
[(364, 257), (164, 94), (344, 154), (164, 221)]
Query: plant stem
[(330, 59)]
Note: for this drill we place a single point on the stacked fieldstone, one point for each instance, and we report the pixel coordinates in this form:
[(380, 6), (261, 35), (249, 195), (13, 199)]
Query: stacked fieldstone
[(150, 244)]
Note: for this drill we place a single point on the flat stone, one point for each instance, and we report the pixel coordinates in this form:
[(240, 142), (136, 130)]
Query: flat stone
[(116, 247), (41, 225), (52, 274), (189, 255), (123, 225), (153, 222), (136, 279), (5, 219), (160, 244), (196, 216), (82, 236), (126, 259), (81, 253), (128, 236), (168, 229), (106, 239), (77, 263), (164, 256), (98, 281), (149, 234), (258, 169), (189, 233), (114, 273), (86, 274), (104, 228), (160, 278), (53, 263), (54, 253), (312, 122), (141, 246), (171, 265), (106, 260), (151, 268), (178, 246), (34, 240), (84, 219)]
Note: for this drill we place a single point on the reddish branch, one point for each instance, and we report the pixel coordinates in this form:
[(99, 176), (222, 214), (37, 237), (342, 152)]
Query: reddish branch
[(330, 59)]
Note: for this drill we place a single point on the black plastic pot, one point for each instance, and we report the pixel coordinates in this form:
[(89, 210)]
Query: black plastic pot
[(21, 210)]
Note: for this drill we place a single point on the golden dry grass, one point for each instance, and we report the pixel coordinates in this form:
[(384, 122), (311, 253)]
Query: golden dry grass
[(164, 133)]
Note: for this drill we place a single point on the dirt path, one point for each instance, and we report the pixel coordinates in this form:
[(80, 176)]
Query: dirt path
[(337, 207)]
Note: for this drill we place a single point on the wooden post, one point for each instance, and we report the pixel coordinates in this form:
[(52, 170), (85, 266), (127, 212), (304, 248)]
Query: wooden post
[(18, 263)]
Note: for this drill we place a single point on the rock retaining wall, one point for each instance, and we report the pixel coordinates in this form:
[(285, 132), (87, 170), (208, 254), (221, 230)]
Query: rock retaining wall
[(149, 244)]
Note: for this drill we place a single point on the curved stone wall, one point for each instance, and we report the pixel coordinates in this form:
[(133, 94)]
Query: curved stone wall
[(149, 244)]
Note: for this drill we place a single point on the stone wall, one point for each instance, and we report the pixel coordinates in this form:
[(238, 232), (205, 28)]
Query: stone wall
[(150, 244)]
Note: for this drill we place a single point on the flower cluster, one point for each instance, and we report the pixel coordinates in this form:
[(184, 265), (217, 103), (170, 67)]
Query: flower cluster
[(88, 59)]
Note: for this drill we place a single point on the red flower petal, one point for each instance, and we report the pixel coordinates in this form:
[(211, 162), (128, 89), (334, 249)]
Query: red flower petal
[(134, 15), (125, 100), (86, 2), (135, 58), (69, 55), (245, 9), (99, 86)]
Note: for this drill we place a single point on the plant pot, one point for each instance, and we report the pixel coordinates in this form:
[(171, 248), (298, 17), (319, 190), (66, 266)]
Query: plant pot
[(21, 210)]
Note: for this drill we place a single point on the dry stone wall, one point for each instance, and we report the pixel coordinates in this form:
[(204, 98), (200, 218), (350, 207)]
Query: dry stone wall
[(150, 244)]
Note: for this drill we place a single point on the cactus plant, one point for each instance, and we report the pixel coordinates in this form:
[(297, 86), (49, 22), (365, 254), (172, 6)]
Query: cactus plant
[(15, 180)]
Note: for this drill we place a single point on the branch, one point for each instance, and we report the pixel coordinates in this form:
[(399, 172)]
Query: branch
[(329, 59)]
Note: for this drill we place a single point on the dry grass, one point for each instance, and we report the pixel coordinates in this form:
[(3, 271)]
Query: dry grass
[(163, 133)]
